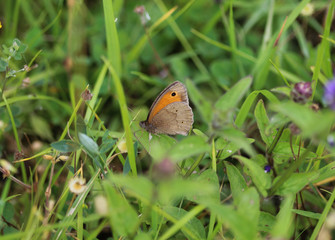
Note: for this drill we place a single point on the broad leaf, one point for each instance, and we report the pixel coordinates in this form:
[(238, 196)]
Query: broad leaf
[(65, 146), (232, 97), (237, 182), (189, 146), (193, 229), (261, 180)]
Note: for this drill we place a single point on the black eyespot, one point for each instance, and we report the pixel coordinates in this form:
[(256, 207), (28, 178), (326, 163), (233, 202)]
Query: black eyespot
[(173, 94)]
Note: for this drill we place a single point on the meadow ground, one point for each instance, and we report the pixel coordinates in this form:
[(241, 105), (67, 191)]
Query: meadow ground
[(77, 77)]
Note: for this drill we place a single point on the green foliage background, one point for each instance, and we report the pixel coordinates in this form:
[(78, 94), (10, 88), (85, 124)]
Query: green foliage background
[(239, 61)]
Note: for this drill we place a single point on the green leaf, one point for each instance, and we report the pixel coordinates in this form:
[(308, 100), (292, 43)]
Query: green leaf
[(6, 50), (3, 65), (232, 97), (179, 68), (283, 227), (89, 144), (68, 219), (234, 220), (311, 123), (143, 236), (221, 70), (22, 48), (325, 172), (189, 146), (17, 56), (269, 95), (261, 180), (157, 146), (173, 189), (200, 101), (229, 148), (107, 145), (8, 212), (65, 146), (248, 103), (239, 139), (41, 127), (208, 176), (139, 186), (123, 218), (81, 125), (245, 108), (194, 225), (262, 122), (296, 182), (283, 90), (200, 133), (249, 205), (236, 181), (266, 222), (16, 44), (307, 214), (283, 152)]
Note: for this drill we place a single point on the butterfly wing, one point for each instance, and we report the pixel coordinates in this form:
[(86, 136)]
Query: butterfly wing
[(175, 118), (165, 98)]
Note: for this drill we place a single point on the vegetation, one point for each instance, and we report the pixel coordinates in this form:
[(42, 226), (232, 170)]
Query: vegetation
[(77, 78)]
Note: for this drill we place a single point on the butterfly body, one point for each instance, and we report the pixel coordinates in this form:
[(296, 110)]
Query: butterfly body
[(170, 113)]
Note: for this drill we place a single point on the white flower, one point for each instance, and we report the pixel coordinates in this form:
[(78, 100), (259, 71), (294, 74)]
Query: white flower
[(122, 146), (308, 10), (101, 205), (36, 145), (3, 125), (77, 185)]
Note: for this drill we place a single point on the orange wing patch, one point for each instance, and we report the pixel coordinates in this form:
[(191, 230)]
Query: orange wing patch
[(166, 99)]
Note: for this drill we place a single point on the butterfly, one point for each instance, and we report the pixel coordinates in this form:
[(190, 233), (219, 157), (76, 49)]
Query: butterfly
[(170, 113)]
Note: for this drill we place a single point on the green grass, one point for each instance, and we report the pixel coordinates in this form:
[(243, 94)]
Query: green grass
[(92, 71)]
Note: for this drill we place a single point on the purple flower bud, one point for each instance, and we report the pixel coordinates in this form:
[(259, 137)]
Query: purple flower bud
[(301, 92), (267, 168), (164, 169), (331, 141), (329, 94), (87, 95)]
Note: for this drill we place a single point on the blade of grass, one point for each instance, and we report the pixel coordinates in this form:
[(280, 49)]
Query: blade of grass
[(73, 116), (213, 155), (137, 49), (37, 97), (183, 39), (75, 207), (113, 46), (95, 92), (181, 222), (12, 122), (323, 46), (15, 20), (124, 115), (4, 194), (80, 222), (229, 25), (323, 216), (290, 76), (268, 51), (263, 71), (280, 74)]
